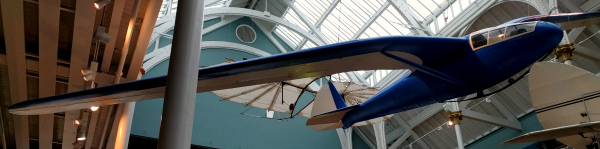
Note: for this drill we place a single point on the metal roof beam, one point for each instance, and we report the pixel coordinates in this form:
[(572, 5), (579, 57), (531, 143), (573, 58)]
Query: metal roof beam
[(491, 119), (467, 17), (49, 17), (320, 21), (14, 36), (589, 6), (304, 19), (445, 5), (587, 52), (401, 139), (415, 136), (422, 116), (370, 21), (269, 36), (408, 15)]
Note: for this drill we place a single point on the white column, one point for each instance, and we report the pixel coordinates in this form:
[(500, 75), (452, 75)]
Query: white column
[(349, 137), (453, 107), (380, 134), (459, 139)]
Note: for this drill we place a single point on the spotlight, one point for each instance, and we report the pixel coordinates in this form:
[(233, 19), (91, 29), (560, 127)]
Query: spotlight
[(77, 122), (81, 138), (94, 108), (101, 35), (90, 74), (450, 123), (100, 3)]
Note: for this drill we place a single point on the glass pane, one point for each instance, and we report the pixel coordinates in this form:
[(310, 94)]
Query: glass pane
[(432, 27), (441, 21), (496, 35), (429, 4), (464, 4), (456, 8), (420, 9), (479, 40), (519, 29)]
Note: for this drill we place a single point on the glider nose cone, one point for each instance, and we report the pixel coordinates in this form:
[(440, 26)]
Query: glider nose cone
[(549, 30)]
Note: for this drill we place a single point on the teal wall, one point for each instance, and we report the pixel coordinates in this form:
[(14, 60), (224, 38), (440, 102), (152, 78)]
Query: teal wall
[(494, 140), (219, 123)]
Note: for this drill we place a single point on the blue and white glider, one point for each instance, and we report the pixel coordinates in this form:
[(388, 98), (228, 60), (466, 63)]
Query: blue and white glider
[(443, 68)]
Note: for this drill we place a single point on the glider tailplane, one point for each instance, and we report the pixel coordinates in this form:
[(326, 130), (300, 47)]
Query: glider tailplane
[(329, 109)]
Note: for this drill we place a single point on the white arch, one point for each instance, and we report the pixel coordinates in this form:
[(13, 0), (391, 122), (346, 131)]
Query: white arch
[(159, 55), (261, 15)]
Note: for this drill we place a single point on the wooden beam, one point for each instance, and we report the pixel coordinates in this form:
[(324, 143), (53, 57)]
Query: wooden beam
[(82, 38), (49, 17), (14, 36), (112, 135), (92, 128), (143, 39), (113, 30)]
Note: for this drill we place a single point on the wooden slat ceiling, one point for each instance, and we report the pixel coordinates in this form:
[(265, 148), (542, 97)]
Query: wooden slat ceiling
[(66, 31)]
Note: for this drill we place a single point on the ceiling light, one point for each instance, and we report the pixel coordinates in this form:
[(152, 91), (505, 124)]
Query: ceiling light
[(450, 123), (77, 122), (100, 3), (101, 35), (94, 108), (90, 74), (81, 138)]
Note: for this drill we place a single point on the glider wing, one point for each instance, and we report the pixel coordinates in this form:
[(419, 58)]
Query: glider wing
[(319, 61)]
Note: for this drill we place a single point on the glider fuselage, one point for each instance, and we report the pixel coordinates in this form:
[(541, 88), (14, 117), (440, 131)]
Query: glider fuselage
[(486, 58)]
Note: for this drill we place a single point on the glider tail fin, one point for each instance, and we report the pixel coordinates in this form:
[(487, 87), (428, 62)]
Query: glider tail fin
[(329, 109)]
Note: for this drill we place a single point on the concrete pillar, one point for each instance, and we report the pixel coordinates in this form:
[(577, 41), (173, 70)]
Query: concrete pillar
[(180, 95)]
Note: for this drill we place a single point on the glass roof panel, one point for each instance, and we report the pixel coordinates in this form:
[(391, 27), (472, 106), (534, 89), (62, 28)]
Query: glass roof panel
[(388, 23), (464, 4), (309, 44), (288, 35), (170, 6), (432, 6), (418, 9), (347, 18), (313, 10)]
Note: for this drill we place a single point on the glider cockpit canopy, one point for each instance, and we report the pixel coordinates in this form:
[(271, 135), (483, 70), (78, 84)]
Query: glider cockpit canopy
[(489, 36)]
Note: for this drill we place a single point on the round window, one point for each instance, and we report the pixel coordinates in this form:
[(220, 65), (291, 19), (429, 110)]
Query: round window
[(245, 33)]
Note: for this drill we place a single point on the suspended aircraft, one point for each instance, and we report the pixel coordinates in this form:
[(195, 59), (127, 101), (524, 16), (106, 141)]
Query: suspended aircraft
[(566, 100), (442, 68)]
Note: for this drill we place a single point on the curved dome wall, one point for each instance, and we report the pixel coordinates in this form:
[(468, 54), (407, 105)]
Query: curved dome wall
[(219, 123)]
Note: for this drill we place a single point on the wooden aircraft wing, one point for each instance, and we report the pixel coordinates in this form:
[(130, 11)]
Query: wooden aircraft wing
[(558, 132)]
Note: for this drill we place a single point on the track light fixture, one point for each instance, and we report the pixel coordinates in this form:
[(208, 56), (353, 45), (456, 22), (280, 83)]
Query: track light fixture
[(94, 108), (100, 3), (90, 74), (77, 122), (101, 35)]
